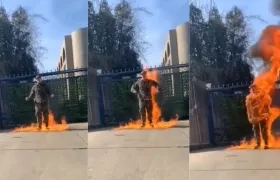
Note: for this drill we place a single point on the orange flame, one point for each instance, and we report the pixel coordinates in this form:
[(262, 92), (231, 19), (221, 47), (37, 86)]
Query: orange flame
[(53, 126), (268, 48), (157, 121)]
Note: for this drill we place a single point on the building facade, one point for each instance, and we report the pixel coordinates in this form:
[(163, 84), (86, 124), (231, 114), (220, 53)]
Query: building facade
[(74, 51), (176, 49), (73, 55)]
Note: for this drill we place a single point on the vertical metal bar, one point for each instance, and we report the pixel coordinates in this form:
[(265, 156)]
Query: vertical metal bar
[(1, 107), (211, 120), (100, 101)]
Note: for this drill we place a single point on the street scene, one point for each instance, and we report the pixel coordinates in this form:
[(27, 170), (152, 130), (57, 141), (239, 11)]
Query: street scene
[(234, 111), (138, 91), (43, 90)]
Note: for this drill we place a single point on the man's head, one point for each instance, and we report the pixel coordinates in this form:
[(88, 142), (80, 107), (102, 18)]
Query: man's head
[(144, 74), (38, 79), (254, 88)]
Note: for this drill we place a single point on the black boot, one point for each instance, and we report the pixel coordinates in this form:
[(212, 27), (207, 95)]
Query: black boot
[(266, 147)]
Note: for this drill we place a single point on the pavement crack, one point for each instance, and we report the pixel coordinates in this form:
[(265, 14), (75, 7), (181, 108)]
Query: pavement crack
[(44, 149), (248, 169), (142, 147), (82, 139)]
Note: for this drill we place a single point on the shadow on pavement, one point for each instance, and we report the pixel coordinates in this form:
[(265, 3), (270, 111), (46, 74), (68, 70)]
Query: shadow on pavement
[(98, 129), (210, 149), (6, 130)]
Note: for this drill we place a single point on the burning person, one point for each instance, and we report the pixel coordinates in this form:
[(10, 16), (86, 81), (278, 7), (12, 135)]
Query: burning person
[(258, 109), (143, 89), (40, 93)]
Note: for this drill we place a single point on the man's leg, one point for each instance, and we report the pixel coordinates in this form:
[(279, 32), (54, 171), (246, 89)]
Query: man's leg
[(142, 110), (38, 114), (149, 105), (256, 131), (46, 115), (264, 131)]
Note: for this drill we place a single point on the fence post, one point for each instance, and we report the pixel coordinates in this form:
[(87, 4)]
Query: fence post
[(210, 119), (93, 113), (100, 101), (1, 108)]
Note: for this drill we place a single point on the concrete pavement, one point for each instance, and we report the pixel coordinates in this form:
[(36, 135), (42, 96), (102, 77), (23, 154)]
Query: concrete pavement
[(220, 164), (44, 156), (138, 155)]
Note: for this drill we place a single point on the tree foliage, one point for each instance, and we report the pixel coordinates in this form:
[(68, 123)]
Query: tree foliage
[(19, 48), (219, 46), (114, 38)]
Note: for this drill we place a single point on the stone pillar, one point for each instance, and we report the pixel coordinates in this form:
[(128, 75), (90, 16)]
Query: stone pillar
[(199, 133), (93, 107)]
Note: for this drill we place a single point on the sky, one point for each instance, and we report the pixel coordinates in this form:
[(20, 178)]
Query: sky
[(63, 17), (261, 8)]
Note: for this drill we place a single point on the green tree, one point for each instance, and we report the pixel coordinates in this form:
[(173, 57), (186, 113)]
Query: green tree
[(237, 46), (91, 35), (197, 48), (20, 50), (24, 51), (219, 46), (114, 36), (6, 42)]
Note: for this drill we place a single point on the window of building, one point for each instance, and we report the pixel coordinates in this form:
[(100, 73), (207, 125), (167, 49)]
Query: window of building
[(168, 49), (63, 54), (60, 62)]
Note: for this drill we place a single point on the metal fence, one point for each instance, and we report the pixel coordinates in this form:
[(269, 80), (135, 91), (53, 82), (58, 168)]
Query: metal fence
[(227, 117), (118, 105), (70, 101)]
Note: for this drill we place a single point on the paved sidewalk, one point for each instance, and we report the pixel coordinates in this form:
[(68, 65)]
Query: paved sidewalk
[(44, 156), (221, 164), (138, 155)]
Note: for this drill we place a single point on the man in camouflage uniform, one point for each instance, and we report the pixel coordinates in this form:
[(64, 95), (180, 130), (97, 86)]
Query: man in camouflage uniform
[(258, 110), (143, 90), (40, 92)]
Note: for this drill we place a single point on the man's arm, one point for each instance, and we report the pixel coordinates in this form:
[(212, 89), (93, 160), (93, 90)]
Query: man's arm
[(155, 84), (248, 107), (31, 94), (267, 105), (135, 88), (48, 91)]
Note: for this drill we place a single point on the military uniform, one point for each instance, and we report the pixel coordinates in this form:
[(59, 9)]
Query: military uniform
[(143, 90), (258, 116), (41, 94)]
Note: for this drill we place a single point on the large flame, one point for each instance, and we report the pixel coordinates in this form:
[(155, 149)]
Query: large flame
[(268, 48), (53, 126), (157, 121)]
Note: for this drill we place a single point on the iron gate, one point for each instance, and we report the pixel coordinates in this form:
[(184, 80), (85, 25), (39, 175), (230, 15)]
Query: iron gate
[(118, 105), (70, 101)]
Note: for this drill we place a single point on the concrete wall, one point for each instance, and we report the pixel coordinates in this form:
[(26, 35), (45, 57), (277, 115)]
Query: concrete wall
[(93, 108), (199, 133), (74, 51), (80, 48), (65, 60), (178, 42), (183, 43)]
